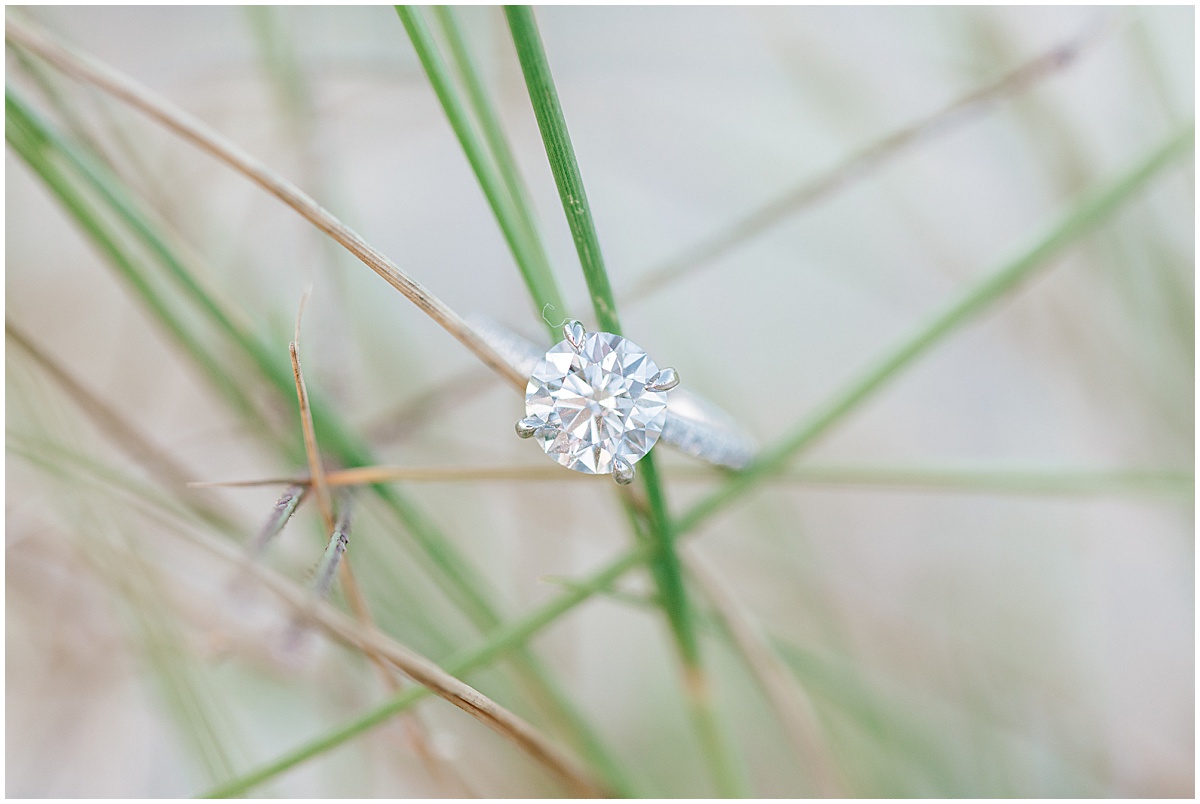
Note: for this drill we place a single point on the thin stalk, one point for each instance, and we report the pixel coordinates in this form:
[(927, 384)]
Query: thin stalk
[(665, 567), (312, 450), (339, 537), (522, 629), (515, 226)]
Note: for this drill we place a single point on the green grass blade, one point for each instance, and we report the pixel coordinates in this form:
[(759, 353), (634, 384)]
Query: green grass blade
[(1082, 218), (489, 124), (561, 154), (667, 570), (515, 225)]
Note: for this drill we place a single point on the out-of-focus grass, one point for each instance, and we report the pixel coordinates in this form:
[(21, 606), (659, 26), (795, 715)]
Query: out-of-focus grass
[(101, 529), (886, 734), (987, 290)]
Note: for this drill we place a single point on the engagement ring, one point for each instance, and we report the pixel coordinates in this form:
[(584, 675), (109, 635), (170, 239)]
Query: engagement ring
[(598, 404)]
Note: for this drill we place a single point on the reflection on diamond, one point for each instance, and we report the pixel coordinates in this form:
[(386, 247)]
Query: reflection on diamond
[(595, 403)]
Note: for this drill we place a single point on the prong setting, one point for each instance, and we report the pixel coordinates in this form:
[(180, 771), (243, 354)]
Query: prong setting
[(664, 380), (574, 332), (527, 427), (622, 471)]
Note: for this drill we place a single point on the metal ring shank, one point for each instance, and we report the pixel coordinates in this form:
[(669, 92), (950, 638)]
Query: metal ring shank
[(694, 425)]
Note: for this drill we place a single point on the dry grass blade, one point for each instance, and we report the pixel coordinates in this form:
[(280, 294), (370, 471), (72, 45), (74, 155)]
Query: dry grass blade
[(100, 75), (863, 162), (370, 475), (957, 479), (316, 470), (462, 695), (465, 697), (789, 702)]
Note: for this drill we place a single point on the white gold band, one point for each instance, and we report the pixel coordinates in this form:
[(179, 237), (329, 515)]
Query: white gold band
[(694, 425)]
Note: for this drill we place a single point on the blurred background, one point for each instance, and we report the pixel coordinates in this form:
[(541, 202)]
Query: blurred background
[(980, 582)]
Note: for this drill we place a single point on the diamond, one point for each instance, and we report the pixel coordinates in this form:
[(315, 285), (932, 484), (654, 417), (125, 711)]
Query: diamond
[(591, 405)]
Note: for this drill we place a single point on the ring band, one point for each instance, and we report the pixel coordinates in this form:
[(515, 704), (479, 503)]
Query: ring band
[(693, 425)]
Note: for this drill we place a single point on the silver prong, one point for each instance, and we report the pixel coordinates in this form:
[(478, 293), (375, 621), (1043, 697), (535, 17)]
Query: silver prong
[(664, 380), (528, 426), (622, 471), (574, 332)]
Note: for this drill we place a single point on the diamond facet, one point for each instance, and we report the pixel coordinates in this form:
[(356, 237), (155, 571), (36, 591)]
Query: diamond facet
[(593, 403)]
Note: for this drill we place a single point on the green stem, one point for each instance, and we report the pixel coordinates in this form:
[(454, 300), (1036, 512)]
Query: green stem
[(493, 132), (561, 154), (515, 225), (667, 571)]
